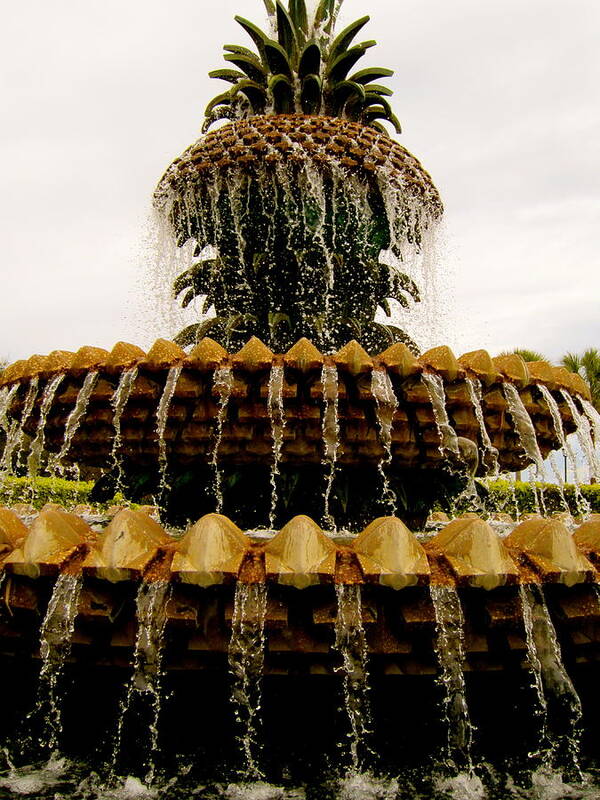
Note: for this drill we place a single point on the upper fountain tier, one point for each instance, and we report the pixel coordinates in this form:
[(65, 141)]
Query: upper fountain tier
[(415, 407), (299, 195)]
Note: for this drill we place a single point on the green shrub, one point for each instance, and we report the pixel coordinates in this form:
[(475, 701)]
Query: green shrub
[(39, 491), (505, 496), (497, 496)]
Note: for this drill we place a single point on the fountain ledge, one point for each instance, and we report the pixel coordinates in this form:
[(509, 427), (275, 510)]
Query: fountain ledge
[(247, 434)]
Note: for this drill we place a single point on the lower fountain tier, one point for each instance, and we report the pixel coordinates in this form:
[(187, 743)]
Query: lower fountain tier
[(300, 567), (228, 408), (300, 627)]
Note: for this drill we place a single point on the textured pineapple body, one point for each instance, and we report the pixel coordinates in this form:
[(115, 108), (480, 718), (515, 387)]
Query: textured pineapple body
[(329, 143), (298, 209)]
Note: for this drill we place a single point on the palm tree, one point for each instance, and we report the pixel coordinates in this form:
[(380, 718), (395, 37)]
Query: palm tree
[(526, 355), (588, 366)]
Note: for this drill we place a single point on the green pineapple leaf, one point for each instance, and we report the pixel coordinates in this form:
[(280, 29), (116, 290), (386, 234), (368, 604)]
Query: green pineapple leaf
[(258, 37), (342, 41), (191, 277), (345, 92), (187, 298), (205, 303), (193, 333), (220, 100), (339, 69), (354, 325), (286, 32), (385, 306), (299, 15), (237, 48), (277, 59), (402, 283), (278, 318), (371, 74), (255, 93), (312, 94), (229, 75), (239, 319), (282, 91), (222, 112), (381, 111), (310, 61), (291, 69), (377, 126), (377, 89), (376, 102), (251, 66), (324, 13)]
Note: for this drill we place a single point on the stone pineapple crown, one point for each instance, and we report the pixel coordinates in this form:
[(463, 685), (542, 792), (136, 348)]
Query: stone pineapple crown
[(302, 68)]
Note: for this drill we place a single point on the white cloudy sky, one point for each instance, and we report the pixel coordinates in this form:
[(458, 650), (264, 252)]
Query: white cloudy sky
[(499, 99)]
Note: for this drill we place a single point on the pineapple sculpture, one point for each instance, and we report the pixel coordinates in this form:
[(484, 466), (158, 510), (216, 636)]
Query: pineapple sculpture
[(301, 209)]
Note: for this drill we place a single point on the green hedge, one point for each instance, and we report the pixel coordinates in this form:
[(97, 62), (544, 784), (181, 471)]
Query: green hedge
[(497, 496), (40, 491), (500, 496)]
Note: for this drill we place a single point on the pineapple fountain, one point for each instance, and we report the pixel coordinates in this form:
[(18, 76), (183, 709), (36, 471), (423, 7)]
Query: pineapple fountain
[(297, 439)]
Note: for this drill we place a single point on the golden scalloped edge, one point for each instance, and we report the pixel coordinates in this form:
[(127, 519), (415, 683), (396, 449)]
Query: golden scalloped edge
[(466, 551), (255, 356)]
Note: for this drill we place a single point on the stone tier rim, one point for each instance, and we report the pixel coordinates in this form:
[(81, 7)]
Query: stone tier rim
[(213, 550), (255, 356)]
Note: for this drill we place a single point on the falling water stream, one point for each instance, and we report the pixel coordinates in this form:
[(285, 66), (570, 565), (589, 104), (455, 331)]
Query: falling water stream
[(55, 645), (223, 386), (246, 661), (37, 446), (162, 416), (145, 683), (450, 651), (584, 435), (560, 482), (512, 480), (331, 433), (435, 388), (582, 505), (119, 402), (386, 406), (526, 433), (594, 417), (490, 458), (550, 680), (75, 417), (5, 400), (535, 667), (9, 427), (7, 396), (17, 430), (277, 417), (351, 643)]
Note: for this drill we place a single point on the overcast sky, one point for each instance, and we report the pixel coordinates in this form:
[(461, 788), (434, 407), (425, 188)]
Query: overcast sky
[(499, 100)]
